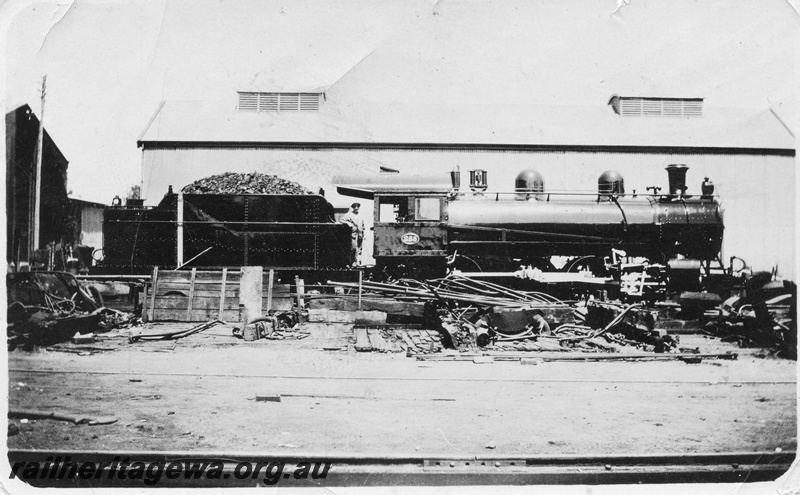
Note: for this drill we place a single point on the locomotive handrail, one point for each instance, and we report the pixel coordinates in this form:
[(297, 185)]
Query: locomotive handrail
[(575, 193), (211, 222)]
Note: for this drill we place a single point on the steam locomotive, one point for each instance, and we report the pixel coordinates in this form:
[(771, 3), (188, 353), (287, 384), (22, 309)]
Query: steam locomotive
[(428, 224), (423, 226)]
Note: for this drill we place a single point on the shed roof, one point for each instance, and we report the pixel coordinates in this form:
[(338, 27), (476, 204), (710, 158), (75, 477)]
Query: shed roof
[(86, 202), (185, 123), (25, 121), (511, 73)]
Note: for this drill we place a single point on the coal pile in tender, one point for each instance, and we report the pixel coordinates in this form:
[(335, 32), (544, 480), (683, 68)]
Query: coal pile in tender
[(254, 183)]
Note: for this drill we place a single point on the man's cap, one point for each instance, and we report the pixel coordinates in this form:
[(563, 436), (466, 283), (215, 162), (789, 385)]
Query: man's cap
[(355, 205)]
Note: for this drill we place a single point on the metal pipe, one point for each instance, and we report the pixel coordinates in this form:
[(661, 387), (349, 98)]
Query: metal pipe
[(225, 222), (179, 247), (615, 321), (201, 254)]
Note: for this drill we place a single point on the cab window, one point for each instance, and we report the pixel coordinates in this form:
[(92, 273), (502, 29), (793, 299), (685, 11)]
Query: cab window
[(427, 209), (392, 209)]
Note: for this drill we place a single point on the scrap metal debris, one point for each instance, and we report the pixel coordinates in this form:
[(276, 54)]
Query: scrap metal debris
[(278, 326), (607, 327), (46, 308), (460, 290), (178, 334), (764, 323), (469, 314)]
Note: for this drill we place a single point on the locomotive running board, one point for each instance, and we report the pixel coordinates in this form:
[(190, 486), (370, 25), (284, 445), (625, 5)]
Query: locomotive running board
[(416, 470)]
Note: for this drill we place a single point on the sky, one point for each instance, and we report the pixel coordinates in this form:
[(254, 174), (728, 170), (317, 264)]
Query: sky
[(109, 63)]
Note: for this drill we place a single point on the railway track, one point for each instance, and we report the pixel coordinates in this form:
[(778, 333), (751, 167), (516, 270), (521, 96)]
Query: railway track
[(246, 375), (416, 470)]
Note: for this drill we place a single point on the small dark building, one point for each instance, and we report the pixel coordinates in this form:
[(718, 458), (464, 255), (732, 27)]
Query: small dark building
[(22, 131)]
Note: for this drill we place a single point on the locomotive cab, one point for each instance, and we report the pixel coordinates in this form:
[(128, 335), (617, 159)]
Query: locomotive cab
[(411, 234), (410, 225), (410, 222)]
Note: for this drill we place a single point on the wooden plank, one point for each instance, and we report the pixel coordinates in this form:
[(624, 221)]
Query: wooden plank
[(385, 305), (204, 303), (186, 280), (154, 281), (191, 294), (376, 340), (270, 284), (299, 284), (201, 283), (279, 304), (362, 340), (339, 304), (330, 316), (201, 276), (198, 292), (360, 287), (146, 315), (410, 343), (222, 295), (318, 315), (369, 317), (184, 286), (215, 277)]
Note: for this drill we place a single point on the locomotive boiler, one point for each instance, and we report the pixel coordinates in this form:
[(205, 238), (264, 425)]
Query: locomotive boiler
[(426, 223)]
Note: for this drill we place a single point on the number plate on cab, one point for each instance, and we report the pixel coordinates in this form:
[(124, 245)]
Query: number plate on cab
[(409, 238)]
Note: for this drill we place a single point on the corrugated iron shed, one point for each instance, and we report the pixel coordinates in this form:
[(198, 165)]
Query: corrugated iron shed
[(465, 126)]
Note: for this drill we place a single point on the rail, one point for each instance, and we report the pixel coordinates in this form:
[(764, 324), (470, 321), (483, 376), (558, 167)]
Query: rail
[(371, 469)]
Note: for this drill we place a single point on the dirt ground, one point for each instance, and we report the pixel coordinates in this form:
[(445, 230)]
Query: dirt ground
[(199, 395)]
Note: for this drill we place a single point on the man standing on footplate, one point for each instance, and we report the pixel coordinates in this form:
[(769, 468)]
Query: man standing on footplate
[(356, 224)]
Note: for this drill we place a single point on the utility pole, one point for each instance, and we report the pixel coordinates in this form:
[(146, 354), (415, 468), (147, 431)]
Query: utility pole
[(34, 241)]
